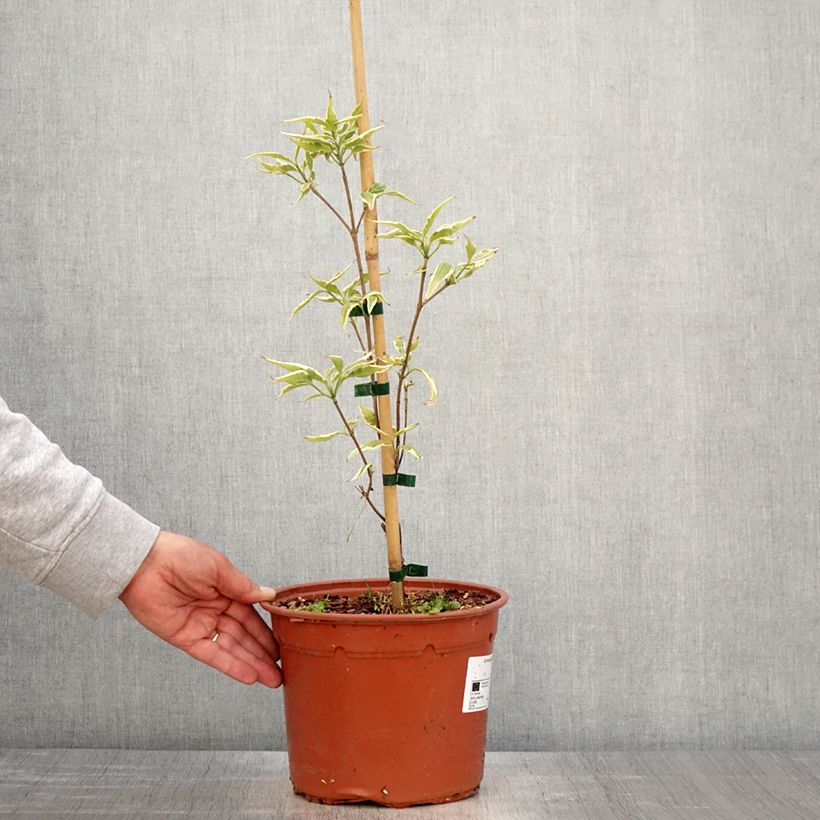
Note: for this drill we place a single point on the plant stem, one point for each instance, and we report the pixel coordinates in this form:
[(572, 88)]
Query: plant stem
[(366, 496), (354, 236), (349, 428), (423, 304), (353, 233), (400, 455), (420, 303), (419, 307), (353, 230), (338, 215), (437, 293), (358, 335), (354, 227)]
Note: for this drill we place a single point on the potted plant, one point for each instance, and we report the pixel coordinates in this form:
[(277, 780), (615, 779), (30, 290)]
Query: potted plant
[(386, 681)]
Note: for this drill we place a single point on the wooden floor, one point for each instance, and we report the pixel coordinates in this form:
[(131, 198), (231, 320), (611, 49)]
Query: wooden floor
[(59, 783)]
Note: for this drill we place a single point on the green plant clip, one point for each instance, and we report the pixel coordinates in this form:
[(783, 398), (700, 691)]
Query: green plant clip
[(361, 310), (372, 389), (409, 570), (402, 479)]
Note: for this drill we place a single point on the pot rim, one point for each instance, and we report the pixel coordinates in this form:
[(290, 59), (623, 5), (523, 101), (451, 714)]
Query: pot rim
[(331, 586)]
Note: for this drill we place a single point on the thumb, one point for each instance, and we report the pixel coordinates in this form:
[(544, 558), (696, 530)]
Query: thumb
[(236, 585)]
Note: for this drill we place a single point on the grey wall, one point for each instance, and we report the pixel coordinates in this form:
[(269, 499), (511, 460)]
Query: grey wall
[(627, 436)]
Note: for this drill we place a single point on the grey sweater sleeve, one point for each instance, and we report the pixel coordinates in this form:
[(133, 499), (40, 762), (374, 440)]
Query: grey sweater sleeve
[(59, 528)]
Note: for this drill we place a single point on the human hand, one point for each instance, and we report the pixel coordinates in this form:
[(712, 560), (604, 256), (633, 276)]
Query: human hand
[(187, 593)]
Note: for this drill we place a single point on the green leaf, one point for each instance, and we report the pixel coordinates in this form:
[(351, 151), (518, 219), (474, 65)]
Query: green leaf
[(326, 436), (328, 292), (284, 166), (350, 288), (379, 189), (401, 231), (338, 362), (330, 116), (310, 121), (470, 248), (447, 231), (439, 277), (466, 269), (374, 444), (365, 134), (310, 297), (399, 195), (431, 383), (483, 256), (359, 142), (315, 144), (328, 287), (369, 416), (433, 214), (304, 140), (360, 472), (287, 388), (408, 449), (361, 371), (370, 196), (296, 367), (298, 378), (334, 278), (373, 298), (334, 434), (347, 307), (364, 367), (304, 191), (399, 226), (270, 154), (436, 604), (290, 366)]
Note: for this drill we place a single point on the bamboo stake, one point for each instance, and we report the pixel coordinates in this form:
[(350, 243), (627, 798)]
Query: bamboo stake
[(395, 560)]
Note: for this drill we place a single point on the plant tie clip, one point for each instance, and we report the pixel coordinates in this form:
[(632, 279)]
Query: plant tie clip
[(402, 479), (409, 570), (363, 310), (372, 389)]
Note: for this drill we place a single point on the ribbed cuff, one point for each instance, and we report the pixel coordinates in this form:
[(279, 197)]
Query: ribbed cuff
[(97, 564)]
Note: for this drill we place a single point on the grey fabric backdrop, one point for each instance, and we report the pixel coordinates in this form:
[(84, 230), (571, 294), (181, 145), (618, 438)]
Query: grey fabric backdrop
[(627, 437)]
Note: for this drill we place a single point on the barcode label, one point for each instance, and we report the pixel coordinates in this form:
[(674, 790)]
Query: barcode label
[(477, 684)]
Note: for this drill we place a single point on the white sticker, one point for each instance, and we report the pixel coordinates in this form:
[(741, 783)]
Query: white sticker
[(477, 685)]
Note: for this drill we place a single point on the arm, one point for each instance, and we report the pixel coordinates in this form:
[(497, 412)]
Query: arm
[(59, 528)]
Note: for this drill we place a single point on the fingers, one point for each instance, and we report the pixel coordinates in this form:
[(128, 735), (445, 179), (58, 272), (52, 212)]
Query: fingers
[(236, 585), (229, 657), (266, 594), (252, 621), (260, 645)]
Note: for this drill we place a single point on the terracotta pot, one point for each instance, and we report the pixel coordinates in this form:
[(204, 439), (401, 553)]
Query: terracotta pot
[(385, 708)]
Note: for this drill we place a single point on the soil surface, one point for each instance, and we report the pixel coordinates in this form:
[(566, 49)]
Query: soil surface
[(373, 602)]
